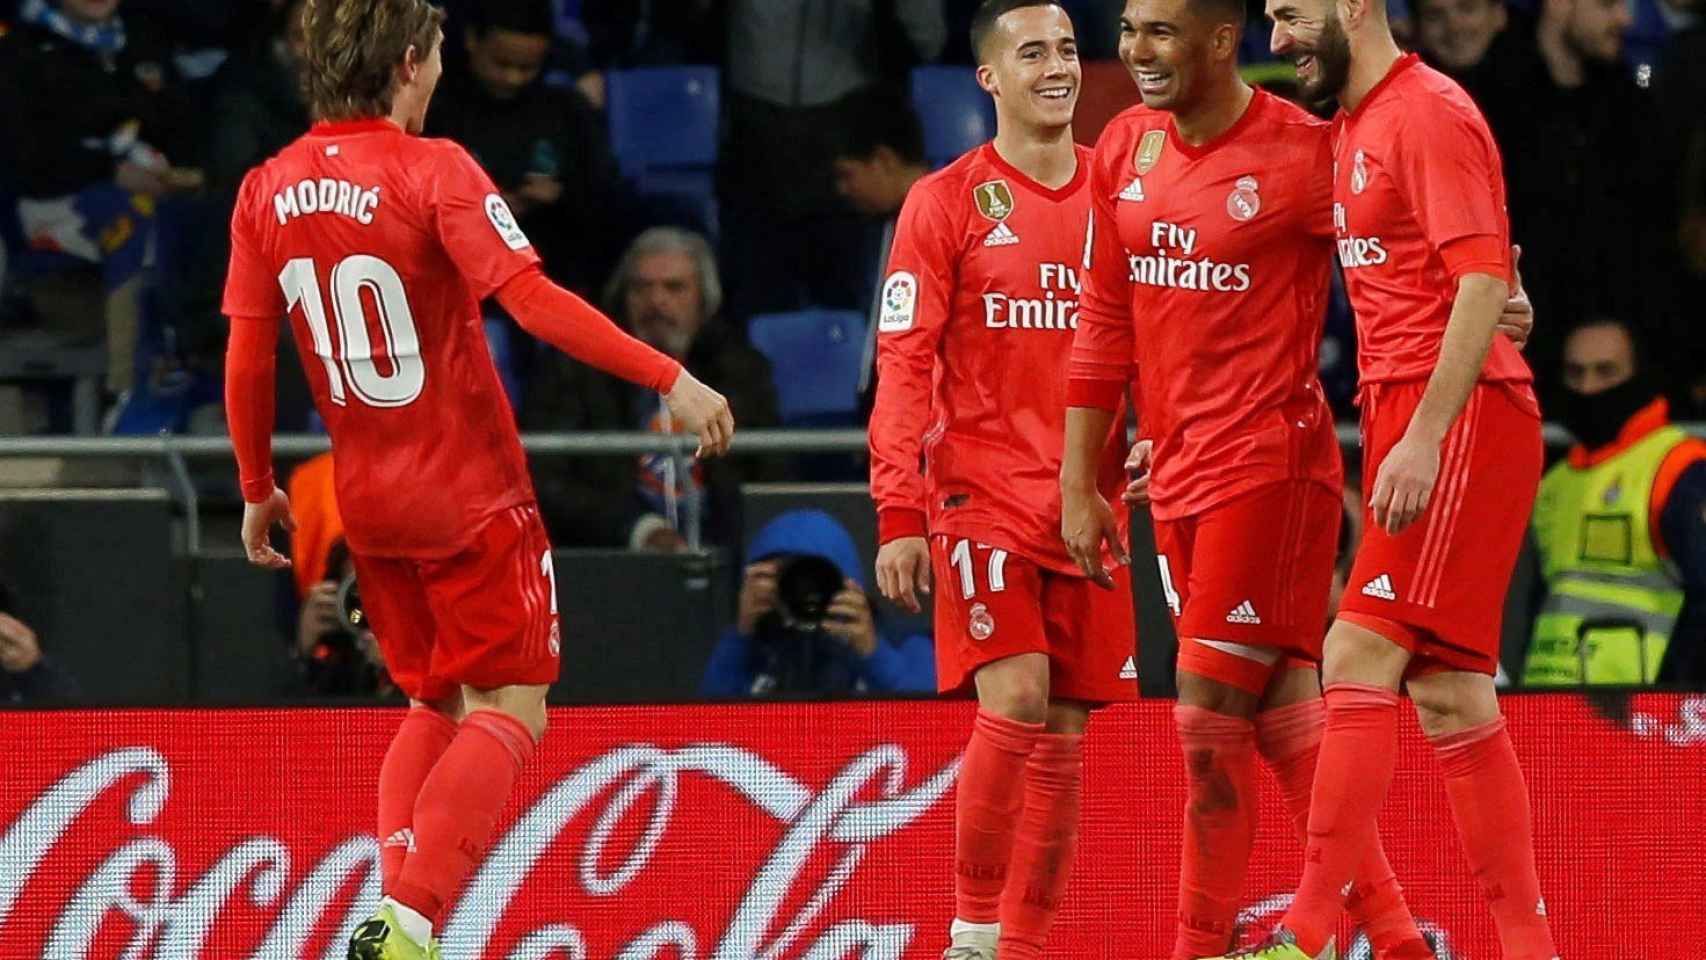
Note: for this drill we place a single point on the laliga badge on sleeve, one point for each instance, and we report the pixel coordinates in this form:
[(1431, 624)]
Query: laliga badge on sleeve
[(1149, 151), (900, 302), (504, 223)]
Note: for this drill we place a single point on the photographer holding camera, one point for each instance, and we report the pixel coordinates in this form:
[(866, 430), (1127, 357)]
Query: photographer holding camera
[(806, 624), (335, 650)]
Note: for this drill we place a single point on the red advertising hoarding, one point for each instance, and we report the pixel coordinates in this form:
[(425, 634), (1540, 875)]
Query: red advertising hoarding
[(766, 831)]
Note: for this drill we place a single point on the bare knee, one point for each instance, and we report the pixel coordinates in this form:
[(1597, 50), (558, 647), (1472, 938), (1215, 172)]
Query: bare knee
[(449, 706), (1450, 702), (1067, 716), (1016, 688), (1215, 696), (1356, 654), (524, 703)]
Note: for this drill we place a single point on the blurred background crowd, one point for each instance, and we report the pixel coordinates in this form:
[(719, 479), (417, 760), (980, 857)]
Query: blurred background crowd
[(722, 177)]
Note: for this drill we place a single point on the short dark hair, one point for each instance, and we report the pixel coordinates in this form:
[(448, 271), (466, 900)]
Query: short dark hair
[(516, 16), (989, 11), (1637, 348), (880, 119), (1222, 11)]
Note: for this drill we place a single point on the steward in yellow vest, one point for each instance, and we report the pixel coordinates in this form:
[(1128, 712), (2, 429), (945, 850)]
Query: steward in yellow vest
[(1622, 544)]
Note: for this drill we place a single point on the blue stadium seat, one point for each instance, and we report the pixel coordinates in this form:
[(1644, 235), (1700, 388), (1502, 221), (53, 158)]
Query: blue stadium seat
[(663, 130), (663, 118), (814, 357), (955, 112)]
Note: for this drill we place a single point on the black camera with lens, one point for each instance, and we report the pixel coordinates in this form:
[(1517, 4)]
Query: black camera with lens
[(349, 606), (805, 587)]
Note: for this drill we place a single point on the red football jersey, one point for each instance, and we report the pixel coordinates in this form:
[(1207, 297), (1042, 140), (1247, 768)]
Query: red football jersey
[(1415, 168), (1213, 281), (974, 335), (380, 245)]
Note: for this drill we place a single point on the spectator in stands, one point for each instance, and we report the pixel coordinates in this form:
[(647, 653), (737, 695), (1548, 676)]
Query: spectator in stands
[(790, 242), (260, 109), (1620, 525), (1594, 219), (91, 113), (622, 34), (878, 158), (26, 675), (666, 291), (806, 624), (544, 147), (1682, 89), (1456, 36)]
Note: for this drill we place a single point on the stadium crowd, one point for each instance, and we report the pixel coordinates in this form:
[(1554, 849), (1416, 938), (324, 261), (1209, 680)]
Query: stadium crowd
[(127, 125)]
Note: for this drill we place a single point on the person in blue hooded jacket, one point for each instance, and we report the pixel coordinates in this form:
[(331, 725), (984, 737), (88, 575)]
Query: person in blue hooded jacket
[(806, 624)]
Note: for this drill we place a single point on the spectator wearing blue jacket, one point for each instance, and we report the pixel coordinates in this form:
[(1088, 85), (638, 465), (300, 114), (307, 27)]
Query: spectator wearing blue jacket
[(806, 624)]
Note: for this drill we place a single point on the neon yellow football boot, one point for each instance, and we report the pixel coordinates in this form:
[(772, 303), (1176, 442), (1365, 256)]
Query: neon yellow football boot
[(1280, 945), (382, 938)]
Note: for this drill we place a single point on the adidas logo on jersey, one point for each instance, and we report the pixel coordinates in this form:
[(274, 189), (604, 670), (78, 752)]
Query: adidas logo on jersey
[(404, 838), (1129, 671), (1001, 236), (1243, 613), (1380, 587), (1133, 191)]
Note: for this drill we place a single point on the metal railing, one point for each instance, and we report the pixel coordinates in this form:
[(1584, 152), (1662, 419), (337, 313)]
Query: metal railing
[(175, 450)]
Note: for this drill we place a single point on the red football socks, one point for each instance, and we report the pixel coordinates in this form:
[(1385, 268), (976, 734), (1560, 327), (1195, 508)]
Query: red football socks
[(1044, 847), (419, 742), (987, 803), (1352, 775), (1220, 827), (458, 809), (1289, 740), (1489, 801)]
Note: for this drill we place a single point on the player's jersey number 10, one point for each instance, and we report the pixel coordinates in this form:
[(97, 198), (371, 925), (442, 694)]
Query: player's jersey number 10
[(349, 361)]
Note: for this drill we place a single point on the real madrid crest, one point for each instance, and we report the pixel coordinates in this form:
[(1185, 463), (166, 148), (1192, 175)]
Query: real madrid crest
[(1243, 203), (994, 199), (979, 623), (1149, 151), (1359, 174)]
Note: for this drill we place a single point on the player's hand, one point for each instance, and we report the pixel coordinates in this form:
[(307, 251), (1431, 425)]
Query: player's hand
[(757, 595), (1517, 320), (1405, 482), (258, 519), (540, 189), (849, 617), (19, 651), (1085, 521), (139, 179), (903, 571), (704, 412), (320, 616), (1137, 464)]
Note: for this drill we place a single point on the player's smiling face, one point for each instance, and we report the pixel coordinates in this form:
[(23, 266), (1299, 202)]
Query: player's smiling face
[(1167, 49), (1310, 34), (1033, 69)]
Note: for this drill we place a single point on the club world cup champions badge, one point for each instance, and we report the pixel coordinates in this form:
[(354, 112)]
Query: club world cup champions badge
[(994, 199), (1149, 151)]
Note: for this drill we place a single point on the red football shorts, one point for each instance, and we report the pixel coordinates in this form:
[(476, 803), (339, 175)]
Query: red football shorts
[(485, 617), (991, 604), (1438, 587), (1247, 581)]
